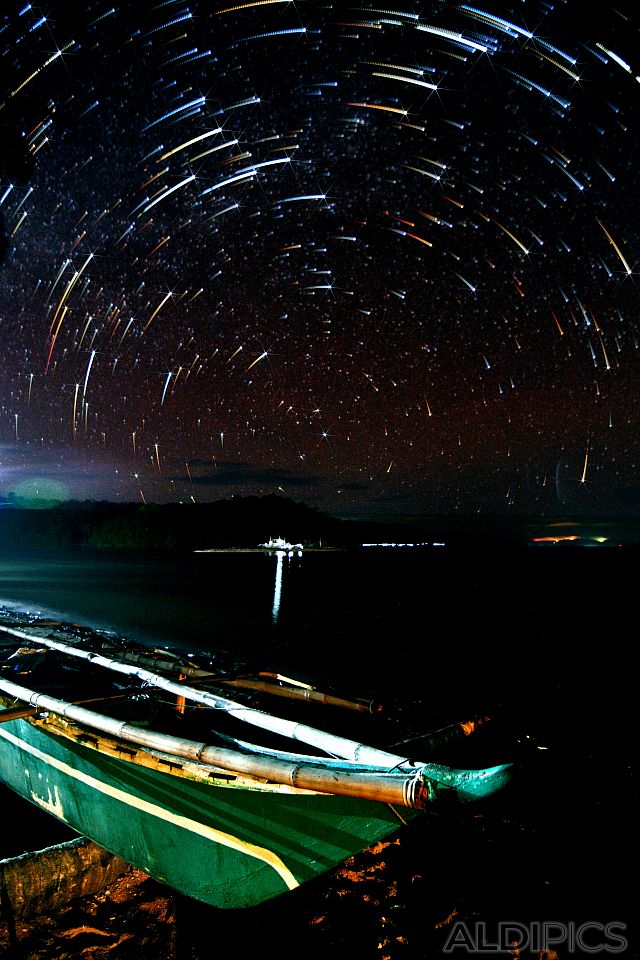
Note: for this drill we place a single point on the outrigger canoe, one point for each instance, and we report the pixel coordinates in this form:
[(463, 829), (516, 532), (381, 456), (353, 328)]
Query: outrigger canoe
[(143, 752)]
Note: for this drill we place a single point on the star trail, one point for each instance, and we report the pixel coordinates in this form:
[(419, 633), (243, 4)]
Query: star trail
[(372, 258)]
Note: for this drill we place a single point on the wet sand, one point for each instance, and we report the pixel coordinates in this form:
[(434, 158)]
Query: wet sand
[(381, 903)]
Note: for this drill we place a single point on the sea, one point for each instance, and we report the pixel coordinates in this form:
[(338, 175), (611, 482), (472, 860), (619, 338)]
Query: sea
[(536, 632)]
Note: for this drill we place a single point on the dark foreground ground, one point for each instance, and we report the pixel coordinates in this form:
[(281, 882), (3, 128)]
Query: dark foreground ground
[(357, 914), (392, 901)]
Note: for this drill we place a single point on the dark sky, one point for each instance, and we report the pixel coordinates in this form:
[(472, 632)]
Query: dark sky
[(371, 258)]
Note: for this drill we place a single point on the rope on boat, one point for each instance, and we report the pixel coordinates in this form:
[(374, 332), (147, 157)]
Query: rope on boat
[(330, 743), (425, 779), (318, 778)]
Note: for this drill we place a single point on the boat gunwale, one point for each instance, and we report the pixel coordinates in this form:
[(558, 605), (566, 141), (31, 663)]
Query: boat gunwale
[(167, 763), (413, 789), (330, 743), (402, 781)]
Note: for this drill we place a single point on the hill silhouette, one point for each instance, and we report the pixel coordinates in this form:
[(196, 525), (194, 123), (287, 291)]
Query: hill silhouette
[(240, 522)]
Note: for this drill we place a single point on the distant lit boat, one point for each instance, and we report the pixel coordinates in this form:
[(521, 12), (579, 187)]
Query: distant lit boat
[(278, 543), (140, 751)]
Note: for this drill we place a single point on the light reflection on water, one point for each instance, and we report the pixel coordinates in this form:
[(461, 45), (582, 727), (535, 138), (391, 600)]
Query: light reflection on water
[(277, 590), (225, 601), (277, 587)]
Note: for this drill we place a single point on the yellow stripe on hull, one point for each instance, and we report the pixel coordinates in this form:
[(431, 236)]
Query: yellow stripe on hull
[(217, 836)]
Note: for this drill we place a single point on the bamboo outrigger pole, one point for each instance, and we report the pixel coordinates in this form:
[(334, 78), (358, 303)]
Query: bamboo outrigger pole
[(413, 786), (332, 745), (408, 788), (297, 691), (417, 781)]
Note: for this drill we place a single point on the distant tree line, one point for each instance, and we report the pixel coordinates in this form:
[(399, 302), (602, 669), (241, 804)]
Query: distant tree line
[(242, 522)]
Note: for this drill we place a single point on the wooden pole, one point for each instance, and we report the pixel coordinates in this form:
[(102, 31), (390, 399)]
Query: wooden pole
[(47, 880), (330, 743), (19, 713), (301, 693), (402, 782)]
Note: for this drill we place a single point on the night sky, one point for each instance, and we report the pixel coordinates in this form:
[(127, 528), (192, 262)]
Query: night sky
[(372, 259)]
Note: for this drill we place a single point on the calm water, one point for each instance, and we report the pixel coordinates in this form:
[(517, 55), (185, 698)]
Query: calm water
[(539, 637), (487, 628)]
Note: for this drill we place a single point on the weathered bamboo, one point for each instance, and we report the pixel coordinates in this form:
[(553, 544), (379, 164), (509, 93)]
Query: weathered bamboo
[(468, 783), (330, 743), (291, 689), (302, 693), (405, 787), (47, 880), (405, 783), (17, 713), (444, 735)]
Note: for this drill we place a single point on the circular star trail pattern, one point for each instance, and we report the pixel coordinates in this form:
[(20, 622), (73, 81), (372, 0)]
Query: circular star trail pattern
[(363, 256)]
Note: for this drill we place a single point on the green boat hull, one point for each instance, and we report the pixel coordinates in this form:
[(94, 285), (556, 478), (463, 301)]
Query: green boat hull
[(224, 844)]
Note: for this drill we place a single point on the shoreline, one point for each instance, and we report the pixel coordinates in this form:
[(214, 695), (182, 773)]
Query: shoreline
[(271, 551)]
